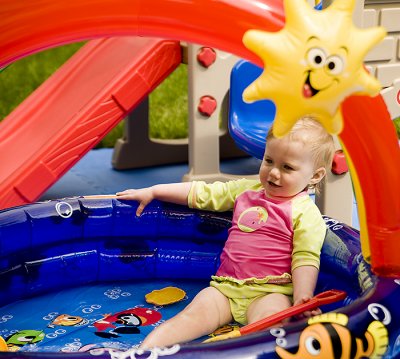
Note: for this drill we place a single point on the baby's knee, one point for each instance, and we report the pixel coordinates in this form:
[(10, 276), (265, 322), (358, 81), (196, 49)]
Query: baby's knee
[(199, 321)]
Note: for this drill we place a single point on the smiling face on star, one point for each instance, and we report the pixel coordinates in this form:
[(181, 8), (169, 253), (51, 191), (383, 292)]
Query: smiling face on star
[(314, 62), (323, 68)]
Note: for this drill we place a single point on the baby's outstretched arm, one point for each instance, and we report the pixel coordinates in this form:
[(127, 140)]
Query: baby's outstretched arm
[(304, 282), (171, 192)]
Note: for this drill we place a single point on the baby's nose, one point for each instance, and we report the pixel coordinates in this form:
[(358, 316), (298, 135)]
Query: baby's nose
[(275, 172)]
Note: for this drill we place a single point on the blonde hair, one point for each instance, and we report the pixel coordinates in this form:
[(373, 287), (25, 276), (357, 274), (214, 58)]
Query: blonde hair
[(309, 131)]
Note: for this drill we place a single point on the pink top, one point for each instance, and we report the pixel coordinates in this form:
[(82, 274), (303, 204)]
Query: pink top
[(268, 237), (268, 249)]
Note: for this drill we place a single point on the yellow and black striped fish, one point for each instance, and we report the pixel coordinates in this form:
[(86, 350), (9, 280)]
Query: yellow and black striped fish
[(328, 337)]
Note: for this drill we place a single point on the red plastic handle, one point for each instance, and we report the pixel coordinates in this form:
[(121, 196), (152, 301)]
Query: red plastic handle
[(327, 297)]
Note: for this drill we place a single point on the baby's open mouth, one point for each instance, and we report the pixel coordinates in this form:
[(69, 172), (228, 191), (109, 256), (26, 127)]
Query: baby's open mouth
[(273, 184)]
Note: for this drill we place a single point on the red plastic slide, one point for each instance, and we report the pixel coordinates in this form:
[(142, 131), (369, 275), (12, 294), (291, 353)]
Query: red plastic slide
[(75, 108)]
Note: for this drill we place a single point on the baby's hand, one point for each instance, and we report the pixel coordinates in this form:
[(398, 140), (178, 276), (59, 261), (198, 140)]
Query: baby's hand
[(144, 196), (309, 313)]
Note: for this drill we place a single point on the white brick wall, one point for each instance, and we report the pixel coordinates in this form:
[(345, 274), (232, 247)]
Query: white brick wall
[(384, 60)]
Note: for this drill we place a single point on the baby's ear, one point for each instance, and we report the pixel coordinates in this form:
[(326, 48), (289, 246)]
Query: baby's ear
[(319, 174)]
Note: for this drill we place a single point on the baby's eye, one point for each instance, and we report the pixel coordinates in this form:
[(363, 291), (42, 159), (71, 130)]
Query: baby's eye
[(268, 160), (288, 168)]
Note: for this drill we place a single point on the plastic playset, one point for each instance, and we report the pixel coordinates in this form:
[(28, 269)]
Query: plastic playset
[(84, 277)]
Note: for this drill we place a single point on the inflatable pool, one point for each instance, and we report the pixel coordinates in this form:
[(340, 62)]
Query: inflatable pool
[(70, 268), (367, 135), (75, 273)]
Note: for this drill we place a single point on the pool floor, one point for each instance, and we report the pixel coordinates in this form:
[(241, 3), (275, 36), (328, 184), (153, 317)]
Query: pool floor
[(109, 315)]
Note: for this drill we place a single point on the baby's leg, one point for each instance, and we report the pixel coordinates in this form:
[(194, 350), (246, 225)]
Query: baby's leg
[(208, 311), (267, 305)]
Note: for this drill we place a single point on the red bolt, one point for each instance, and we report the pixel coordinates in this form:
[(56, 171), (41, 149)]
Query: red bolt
[(339, 165), (207, 105), (206, 56)]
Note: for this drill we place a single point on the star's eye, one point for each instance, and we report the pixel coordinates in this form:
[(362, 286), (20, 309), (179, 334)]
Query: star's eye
[(316, 57), (334, 65)]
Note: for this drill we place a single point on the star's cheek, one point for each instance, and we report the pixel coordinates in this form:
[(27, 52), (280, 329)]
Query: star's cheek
[(320, 80)]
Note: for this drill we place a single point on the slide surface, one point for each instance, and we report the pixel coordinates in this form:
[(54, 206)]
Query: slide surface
[(75, 108), (248, 122)]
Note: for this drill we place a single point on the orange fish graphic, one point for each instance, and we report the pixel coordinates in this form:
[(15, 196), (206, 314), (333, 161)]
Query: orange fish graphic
[(327, 336)]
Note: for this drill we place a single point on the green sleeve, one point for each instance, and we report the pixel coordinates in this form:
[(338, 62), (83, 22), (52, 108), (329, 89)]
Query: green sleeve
[(309, 233), (218, 196)]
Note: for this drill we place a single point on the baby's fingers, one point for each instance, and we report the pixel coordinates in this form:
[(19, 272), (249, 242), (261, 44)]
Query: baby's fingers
[(315, 312), (127, 194), (140, 209), (143, 196), (309, 313), (127, 191)]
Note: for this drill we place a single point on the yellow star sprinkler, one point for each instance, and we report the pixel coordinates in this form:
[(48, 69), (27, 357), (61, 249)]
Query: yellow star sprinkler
[(312, 64)]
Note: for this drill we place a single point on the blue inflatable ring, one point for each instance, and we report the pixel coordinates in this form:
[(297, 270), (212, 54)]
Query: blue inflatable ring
[(68, 239)]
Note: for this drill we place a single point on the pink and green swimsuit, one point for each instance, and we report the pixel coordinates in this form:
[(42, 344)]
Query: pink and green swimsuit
[(269, 238)]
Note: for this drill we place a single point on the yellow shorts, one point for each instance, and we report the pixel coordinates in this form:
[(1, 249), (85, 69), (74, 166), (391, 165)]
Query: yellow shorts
[(241, 293)]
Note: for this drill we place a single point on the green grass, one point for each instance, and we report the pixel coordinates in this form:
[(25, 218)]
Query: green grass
[(169, 107), (168, 116), (396, 122), (168, 103), (19, 79)]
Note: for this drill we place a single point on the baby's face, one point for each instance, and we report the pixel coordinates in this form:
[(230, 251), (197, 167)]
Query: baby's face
[(287, 167)]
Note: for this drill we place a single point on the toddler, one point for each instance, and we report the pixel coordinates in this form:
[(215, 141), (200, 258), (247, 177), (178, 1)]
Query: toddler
[(270, 260)]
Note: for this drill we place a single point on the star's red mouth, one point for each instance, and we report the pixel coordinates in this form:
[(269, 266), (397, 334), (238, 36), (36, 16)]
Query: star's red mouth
[(308, 89)]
